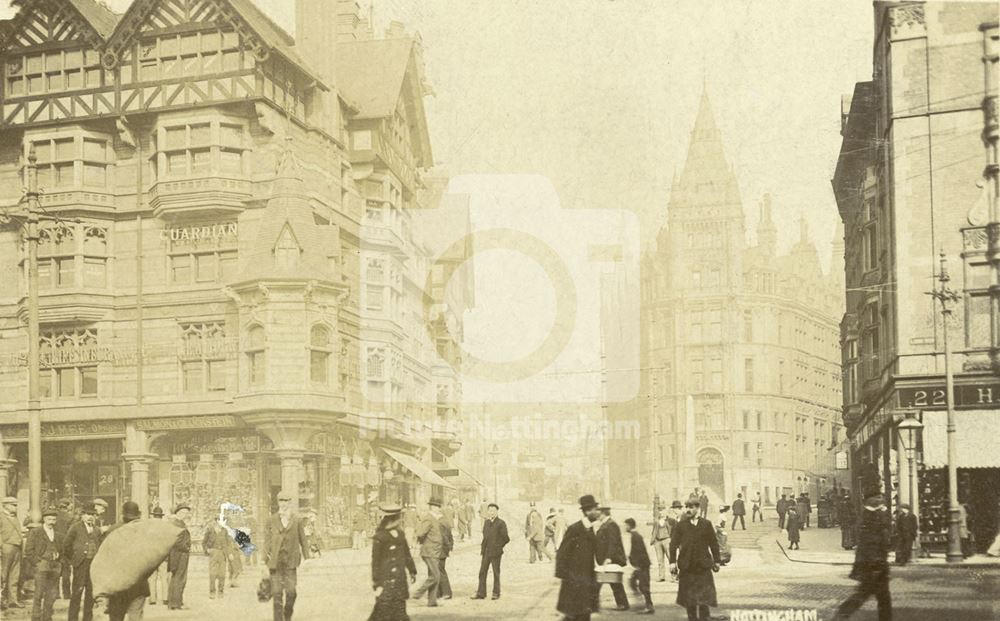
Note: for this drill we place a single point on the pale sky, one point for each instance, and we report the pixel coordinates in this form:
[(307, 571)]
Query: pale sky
[(600, 95)]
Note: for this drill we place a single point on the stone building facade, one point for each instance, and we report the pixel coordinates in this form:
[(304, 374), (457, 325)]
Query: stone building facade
[(204, 262), (917, 179), (740, 379)]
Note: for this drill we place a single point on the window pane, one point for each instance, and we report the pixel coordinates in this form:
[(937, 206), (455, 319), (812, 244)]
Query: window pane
[(66, 270), (43, 151), (319, 337), (55, 82), (205, 267), (318, 366), (180, 268), (201, 161), (191, 374), (216, 375), (191, 65), (63, 175), (74, 79), (34, 63), (176, 137), (36, 84), (53, 61), (93, 78), (95, 150), (88, 381), (95, 241), (979, 321), (15, 87), (210, 41), (149, 70), (168, 46), (177, 163), (210, 62), (227, 266), (44, 273), (45, 377), (189, 44), (231, 162), (201, 134), (256, 338), (74, 59), (256, 360), (65, 149), (230, 61), (230, 40), (231, 135), (94, 273), (95, 175), (66, 378)]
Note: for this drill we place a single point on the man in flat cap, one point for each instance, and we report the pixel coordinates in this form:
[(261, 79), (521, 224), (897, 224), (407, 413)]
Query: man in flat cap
[(177, 562), (431, 537), (285, 545), (43, 551), (82, 541), (906, 534), (11, 544), (101, 506)]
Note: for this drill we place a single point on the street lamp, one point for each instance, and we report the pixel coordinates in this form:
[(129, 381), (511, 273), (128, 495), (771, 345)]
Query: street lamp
[(946, 295), (908, 429), (495, 453)]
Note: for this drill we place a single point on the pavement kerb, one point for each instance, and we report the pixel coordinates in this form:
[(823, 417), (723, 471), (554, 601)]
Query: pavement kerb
[(993, 564)]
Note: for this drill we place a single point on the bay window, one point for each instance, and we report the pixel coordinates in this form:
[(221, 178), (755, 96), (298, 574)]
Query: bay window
[(199, 149), (74, 160)]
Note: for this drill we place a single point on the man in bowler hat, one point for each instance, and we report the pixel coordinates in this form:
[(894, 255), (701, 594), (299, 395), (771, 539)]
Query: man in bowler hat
[(82, 541), (43, 551)]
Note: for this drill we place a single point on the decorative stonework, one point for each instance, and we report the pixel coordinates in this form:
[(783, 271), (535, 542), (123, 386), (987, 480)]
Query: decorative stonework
[(67, 430), (974, 240), (907, 20)]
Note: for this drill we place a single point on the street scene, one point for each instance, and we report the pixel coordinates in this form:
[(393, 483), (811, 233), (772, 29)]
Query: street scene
[(499, 309)]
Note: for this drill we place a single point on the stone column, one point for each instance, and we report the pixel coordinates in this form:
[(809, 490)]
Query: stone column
[(138, 456), (322, 479), (291, 472)]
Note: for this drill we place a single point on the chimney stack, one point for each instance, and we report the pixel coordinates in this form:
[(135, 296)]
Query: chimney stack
[(315, 20)]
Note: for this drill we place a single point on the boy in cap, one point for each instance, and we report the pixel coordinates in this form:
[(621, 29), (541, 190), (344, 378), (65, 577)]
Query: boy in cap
[(639, 559), (82, 541), (43, 551)]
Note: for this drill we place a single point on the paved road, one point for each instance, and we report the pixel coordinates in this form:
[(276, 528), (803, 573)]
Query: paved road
[(336, 587)]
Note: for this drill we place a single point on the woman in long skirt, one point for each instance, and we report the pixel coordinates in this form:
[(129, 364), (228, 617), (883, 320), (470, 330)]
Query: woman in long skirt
[(793, 524), (391, 561), (694, 553)]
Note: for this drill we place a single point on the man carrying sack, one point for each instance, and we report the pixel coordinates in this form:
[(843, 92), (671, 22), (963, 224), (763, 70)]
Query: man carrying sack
[(285, 545), (130, 602)]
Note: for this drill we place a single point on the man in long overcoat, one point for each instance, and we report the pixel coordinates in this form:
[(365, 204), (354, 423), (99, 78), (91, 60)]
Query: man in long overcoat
[(534, 532), (80, 548), (610, 549), (871, 562), (575, 559), (781, 507), (285, 545), (906, 534), (694, 554), (391, 563)]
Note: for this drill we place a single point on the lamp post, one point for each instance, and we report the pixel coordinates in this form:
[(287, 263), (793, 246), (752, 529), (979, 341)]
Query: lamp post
[(908, 429), (495, 453), (946, 295)]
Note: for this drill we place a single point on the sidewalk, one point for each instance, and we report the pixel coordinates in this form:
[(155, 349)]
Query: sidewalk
[(822, 545)]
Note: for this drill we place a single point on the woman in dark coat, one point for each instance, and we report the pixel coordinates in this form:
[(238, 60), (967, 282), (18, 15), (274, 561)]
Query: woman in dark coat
[(793, 523), (391, 560), (575, 560), (694, 553)]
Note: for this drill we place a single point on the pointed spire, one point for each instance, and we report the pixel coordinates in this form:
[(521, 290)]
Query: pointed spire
[(803, 230), (704, 124), (767, 232)]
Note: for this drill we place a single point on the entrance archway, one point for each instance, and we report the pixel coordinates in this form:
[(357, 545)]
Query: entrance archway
[(710, 472)]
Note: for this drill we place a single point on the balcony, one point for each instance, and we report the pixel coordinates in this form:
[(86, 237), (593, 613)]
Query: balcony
[(193, 196)]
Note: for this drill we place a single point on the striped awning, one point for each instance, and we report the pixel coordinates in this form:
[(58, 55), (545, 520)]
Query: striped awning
[(976, 436)]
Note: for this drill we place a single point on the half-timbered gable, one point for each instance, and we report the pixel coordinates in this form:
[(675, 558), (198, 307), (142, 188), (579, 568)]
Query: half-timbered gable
[(51, 61)]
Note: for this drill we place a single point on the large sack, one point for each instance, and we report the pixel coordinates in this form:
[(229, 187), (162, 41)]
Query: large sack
[(130, 553)]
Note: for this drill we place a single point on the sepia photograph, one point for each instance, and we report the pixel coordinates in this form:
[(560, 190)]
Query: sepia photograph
[(348, 310)]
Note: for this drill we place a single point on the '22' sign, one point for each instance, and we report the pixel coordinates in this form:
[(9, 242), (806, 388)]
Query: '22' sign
[(925, 398)]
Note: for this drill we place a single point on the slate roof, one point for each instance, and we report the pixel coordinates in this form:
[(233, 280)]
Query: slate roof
[(370, 73), (100, 16)]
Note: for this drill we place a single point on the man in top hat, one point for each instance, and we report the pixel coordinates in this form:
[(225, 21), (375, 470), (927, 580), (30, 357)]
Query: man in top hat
[(495, 537), (177, 561), (130, 602), (43, 551), (11, 543), (63, 521), (431, 538), (82, 541), (159, 580), (610, 549), (285, 545), (575, 560), (871, 564), (906, 534)]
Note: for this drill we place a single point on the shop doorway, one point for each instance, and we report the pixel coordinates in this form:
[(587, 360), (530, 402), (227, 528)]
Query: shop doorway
[(711, 475)]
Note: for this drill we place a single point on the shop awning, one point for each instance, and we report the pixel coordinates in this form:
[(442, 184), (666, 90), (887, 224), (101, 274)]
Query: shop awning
[(418, 468), (464, 479), (976, 433)]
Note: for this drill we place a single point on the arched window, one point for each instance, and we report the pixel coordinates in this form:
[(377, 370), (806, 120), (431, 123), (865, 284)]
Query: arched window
[(319, 355), (255, 355)]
